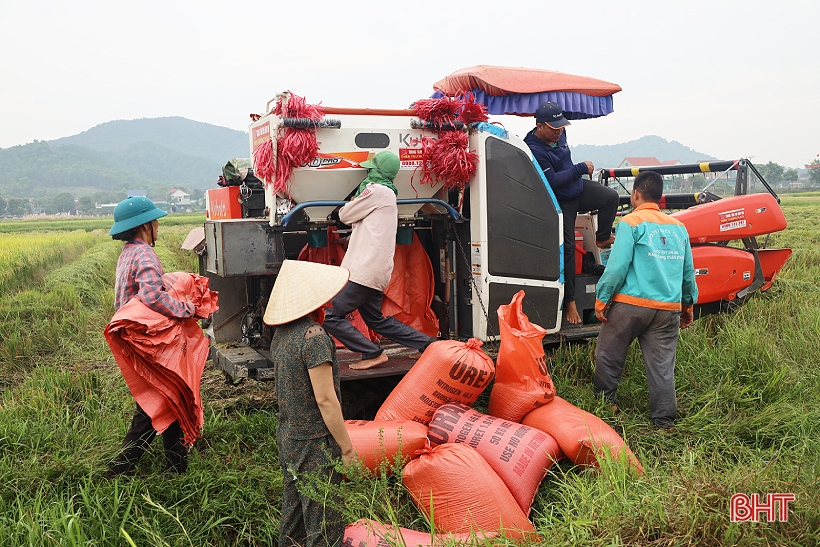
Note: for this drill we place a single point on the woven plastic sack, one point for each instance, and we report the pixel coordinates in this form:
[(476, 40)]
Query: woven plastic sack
[(376, 441), (369, 533), (522, 381), (449, 371), (519, 454), (161, 358), (581, 435), (458, 490), (410, 292)]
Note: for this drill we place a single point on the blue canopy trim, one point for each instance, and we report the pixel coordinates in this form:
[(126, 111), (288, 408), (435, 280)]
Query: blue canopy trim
[(576, 106)]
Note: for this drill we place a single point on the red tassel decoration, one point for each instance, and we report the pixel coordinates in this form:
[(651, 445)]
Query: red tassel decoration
[(263, 166), (295, 147), (450, 159), (472, 111), (441, 111), (447, 158)]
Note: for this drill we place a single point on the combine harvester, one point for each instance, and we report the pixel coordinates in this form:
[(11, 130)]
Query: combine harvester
[(483, 239)]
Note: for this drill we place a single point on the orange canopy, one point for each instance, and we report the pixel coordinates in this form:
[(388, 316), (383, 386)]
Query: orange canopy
[(502, 80)]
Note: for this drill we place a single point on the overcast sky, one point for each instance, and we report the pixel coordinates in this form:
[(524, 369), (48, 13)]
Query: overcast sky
[(728, 78)]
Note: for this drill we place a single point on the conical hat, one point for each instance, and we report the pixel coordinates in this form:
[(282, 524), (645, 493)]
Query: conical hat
[(302, 287)]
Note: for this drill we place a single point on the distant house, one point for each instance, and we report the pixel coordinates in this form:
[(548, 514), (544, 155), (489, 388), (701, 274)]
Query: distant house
[(105, 208), (137, 193), (180, 196)]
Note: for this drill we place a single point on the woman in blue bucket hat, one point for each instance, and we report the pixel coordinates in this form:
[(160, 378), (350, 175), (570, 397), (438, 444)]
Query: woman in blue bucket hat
[(139, 274)]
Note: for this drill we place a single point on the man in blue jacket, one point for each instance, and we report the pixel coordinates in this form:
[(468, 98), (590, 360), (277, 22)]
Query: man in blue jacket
[(647, 292), (548, 144)]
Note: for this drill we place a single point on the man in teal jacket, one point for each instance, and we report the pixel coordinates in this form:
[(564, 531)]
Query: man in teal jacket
[(647, 292)]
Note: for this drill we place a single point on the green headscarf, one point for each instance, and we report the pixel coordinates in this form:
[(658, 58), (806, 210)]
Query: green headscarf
[(383, 168)]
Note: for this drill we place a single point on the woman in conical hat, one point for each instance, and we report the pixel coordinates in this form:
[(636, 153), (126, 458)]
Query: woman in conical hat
[(311, 433)]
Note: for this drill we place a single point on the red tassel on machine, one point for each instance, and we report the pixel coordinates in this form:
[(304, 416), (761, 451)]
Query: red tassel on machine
[(448, 158), (440, 111), (472, 111), (264, 167), (296, 146), (451, 161)]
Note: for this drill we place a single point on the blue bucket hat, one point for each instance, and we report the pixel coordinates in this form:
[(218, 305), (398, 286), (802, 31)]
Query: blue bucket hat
[(133, 212)]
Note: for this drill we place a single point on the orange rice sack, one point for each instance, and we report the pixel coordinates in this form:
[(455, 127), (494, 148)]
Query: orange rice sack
[(581, 435), (519, 454), (370, 533), (453, 485), (522, 381), (375, 441), (449, 371)]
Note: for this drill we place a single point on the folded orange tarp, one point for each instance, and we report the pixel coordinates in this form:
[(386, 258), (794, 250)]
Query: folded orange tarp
[(161, 358)]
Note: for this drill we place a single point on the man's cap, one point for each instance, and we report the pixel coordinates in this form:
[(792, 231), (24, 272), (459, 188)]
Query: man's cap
[(302, 287), (133, 212), (552, 115), (386, 163)]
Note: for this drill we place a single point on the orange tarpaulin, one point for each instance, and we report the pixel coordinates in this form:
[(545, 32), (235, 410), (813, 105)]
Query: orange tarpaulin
[(161, 358), (503, 80), (410, 292)]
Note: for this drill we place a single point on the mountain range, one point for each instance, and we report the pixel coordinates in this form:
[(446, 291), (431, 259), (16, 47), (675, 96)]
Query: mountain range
[(160, 153), (612, 155)]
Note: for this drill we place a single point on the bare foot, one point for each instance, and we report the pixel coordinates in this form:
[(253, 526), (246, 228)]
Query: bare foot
[(605, 243), (365, 364), (570, 314)]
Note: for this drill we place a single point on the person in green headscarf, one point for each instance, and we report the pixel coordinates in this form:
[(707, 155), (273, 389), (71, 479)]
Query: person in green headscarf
[(382, 169), (373, 216)]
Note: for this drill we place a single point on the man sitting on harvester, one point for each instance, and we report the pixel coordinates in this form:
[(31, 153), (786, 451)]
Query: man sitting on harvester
[(373, 216), (548, 143)]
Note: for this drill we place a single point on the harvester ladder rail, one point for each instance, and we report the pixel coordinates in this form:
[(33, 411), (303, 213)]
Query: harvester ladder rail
[(468, 265)]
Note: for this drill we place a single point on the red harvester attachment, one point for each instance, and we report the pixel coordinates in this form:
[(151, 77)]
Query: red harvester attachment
[(726, 275)]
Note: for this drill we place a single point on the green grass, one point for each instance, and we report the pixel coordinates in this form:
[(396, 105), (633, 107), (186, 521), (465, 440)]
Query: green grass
[(748, 385)]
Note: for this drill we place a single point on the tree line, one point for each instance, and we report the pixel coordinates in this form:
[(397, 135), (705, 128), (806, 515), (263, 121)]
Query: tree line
[(69, 203)]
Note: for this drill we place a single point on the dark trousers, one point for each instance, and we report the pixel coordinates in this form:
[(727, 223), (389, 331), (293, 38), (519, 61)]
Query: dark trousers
[(595, 196), (657, 333), (369, 303), (138, 439), (305, 521)]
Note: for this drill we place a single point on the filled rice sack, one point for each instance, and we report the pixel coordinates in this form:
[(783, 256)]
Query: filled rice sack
[(455, 487), (519, 454), (370, 533), (448, 371), (581, 435), (379, 440), (522, 381)]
